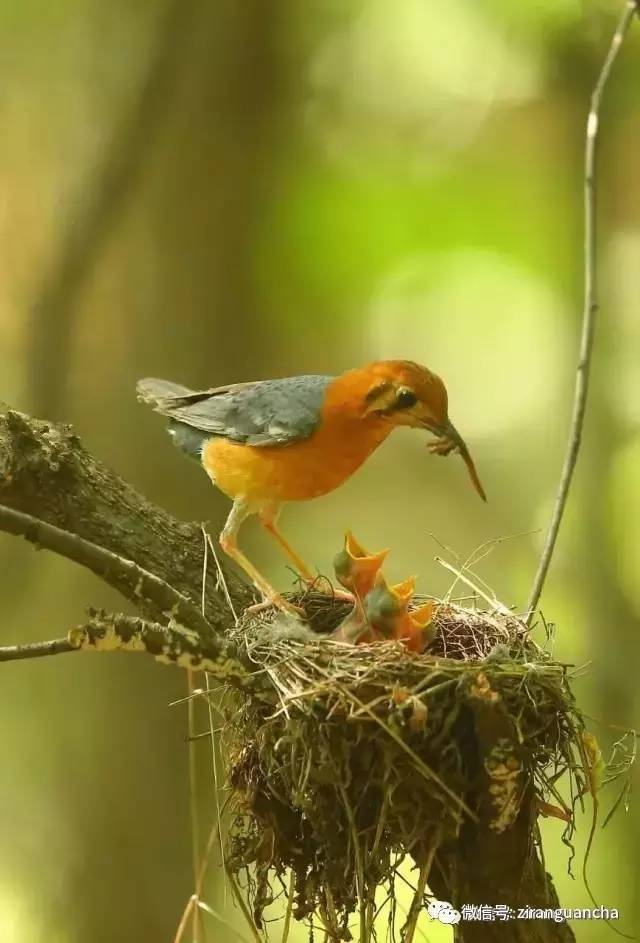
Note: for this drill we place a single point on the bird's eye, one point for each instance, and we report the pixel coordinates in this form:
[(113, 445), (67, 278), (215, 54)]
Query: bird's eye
[(405, 399)]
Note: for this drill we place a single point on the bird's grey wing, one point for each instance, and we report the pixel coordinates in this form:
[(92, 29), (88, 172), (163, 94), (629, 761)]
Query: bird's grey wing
[(266, 412)]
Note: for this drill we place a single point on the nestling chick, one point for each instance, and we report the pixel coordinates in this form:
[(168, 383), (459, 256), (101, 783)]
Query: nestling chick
[(387, 612)]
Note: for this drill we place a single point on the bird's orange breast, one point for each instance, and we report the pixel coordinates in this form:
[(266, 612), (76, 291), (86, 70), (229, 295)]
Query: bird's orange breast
[(302, 470)]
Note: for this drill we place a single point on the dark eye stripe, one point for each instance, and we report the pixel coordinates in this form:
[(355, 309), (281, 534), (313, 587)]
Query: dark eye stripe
[(377, 391)]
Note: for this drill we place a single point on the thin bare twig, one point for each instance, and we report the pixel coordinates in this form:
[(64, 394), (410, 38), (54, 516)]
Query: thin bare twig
[(196, 898), (208, 545), (102, 561), (56, 646), (246, 913), (590, 309), (287, 916), (418, 897), (193, 803)]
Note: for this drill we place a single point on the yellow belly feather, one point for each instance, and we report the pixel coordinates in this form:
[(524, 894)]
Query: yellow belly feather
[(296, 472)]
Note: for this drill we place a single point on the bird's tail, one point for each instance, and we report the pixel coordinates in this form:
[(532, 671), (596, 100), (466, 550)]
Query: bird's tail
[(163, 395)]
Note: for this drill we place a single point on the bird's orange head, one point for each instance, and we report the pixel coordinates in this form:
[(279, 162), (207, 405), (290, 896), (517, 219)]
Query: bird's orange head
[(404, 393)]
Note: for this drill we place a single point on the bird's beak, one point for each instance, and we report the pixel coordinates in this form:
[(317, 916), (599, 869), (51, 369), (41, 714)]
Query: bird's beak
[(449, 440)]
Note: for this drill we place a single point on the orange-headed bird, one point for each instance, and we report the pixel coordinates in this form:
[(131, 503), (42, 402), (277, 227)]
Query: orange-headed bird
[(272, 441)]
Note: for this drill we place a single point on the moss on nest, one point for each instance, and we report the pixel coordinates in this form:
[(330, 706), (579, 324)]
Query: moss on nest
[(369, 755)]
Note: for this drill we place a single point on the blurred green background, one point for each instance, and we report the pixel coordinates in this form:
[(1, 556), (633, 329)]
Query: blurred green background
[(225, 191)]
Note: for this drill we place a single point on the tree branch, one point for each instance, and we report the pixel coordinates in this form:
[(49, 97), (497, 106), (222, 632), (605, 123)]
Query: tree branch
[(84, 510), (590, 309), (169, 644), (126, 576)]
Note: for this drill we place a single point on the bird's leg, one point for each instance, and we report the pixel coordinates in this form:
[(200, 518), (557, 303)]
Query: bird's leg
[(229, 543), (268, 518)]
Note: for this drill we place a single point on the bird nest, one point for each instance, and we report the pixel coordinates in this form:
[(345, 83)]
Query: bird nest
[(368, 756)]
